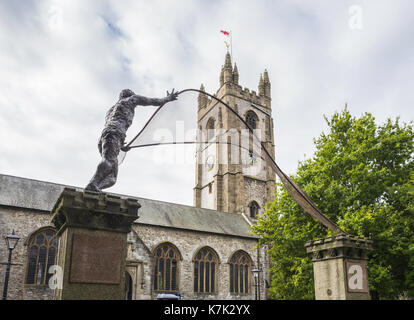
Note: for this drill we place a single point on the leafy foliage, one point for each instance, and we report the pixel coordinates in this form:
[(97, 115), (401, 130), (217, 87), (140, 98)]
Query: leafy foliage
[(362, 177)]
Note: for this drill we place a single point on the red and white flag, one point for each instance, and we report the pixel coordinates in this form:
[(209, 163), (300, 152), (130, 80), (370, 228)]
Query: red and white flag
[(226, 33)]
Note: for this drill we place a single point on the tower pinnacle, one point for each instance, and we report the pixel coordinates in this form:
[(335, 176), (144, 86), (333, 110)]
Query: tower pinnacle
[(235, 74), (222, 76), (228, 69), (227, 63), (266, 84), (261, 86), (202, 98), (266, 76)]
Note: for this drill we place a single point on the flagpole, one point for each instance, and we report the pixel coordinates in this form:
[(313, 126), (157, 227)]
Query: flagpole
[(228, 34), (231, 45)]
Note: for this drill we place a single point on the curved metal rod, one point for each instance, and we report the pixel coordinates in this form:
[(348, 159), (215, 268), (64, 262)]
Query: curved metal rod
[(293, 189)]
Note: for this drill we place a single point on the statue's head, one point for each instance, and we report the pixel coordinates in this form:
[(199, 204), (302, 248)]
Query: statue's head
[(125, 94)]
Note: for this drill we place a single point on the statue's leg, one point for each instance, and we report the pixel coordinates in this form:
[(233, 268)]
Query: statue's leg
[(102, 171), (111, 147), (110, 180), (107, 170)]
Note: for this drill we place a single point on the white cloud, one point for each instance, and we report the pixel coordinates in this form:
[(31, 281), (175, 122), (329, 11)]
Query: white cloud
[(64, 63)]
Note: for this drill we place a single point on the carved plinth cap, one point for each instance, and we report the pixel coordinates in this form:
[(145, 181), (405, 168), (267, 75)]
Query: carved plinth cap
[(94, 210), (339, 247)]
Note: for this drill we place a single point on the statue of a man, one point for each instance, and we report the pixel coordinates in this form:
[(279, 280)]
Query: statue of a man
[(117, 121)]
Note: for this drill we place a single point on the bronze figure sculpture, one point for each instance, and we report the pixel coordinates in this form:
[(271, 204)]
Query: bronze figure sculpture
[(117, 121)]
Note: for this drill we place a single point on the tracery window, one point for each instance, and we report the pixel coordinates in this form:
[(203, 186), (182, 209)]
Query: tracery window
[(254, 209), (240, 270), (166, 268), (42, 249), (205, 270), (210, 129), (251, 119)]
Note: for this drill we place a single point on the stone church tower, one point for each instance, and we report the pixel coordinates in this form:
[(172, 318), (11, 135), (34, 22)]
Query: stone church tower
[(232, 178)]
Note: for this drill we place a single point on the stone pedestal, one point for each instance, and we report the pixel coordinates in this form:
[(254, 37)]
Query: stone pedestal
[(92, 231), (340, 267)]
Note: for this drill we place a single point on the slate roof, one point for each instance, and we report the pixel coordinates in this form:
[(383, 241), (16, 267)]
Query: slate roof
[(40, 195)]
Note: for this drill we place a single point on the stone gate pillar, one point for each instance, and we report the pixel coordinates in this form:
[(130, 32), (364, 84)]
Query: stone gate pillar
[(91, 258), (340, 267)]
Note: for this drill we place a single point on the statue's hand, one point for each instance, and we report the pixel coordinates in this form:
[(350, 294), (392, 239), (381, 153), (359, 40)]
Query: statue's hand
[(125, 148), (171, 96)]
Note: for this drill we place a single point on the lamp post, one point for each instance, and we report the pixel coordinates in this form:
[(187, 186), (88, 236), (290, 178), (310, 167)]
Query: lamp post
[(255, 272), (11, 243)]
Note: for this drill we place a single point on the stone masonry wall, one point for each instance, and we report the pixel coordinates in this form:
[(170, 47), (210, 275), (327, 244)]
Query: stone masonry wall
[(142, 240), (188, 243), (24, 222)]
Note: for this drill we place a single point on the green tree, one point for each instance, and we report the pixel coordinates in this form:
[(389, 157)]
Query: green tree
[(362, 177)]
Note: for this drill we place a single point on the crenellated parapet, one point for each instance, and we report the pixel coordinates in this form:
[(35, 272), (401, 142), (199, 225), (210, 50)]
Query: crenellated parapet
[(253, 97), (235, 90)]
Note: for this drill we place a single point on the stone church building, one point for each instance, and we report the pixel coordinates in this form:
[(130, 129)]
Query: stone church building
[(205, 251)]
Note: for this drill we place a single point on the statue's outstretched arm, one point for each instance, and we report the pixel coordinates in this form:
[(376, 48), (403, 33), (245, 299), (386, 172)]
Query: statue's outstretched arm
[(144, 101)]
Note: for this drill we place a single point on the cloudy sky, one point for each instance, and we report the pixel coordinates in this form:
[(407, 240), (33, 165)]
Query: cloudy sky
[(63, 64)]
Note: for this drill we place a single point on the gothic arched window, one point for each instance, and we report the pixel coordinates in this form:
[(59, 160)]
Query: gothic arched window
[(240, 269), (210, 129), (42, 248), (166, 267), (251, 119), (253, 209), (205, 270)]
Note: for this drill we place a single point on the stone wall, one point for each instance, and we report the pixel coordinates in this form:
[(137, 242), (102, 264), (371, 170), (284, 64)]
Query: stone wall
[(188, 244), (142, 241), (24, 222), (255, 190)]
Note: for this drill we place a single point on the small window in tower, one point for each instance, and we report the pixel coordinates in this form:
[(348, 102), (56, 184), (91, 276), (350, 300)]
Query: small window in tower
[(251, 119), (210, 129), (254, 209), (210, 188)]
